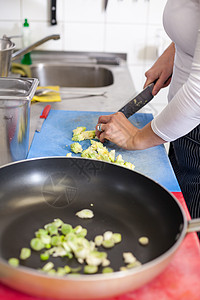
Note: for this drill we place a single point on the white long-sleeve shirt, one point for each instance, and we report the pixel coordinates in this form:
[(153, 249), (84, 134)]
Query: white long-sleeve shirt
[(181, 21)]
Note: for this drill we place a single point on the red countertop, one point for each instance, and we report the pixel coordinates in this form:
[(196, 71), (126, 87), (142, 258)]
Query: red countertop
[(179, 281)]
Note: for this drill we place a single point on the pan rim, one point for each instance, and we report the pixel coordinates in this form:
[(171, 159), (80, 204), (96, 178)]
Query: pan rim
[(101, 277)]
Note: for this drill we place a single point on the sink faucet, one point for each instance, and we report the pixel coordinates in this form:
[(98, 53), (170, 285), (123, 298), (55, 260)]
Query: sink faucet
[(21, 52)]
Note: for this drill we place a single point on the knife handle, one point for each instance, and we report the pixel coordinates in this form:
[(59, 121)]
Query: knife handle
[(53, 12), (45, 111)]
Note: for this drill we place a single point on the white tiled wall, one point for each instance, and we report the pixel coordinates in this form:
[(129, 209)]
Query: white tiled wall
[(130, 26)]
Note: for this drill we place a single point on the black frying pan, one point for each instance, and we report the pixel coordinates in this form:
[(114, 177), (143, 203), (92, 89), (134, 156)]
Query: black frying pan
[(35, 192)]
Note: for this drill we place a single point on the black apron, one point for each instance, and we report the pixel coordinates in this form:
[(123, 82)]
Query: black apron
[(184, 154)]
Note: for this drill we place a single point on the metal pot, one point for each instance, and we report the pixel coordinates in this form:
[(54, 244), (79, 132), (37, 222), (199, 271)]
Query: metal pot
[(6, 52), (15, 99), (6, 49), (34, 192)]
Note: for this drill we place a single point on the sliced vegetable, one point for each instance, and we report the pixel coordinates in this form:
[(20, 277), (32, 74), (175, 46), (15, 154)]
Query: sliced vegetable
[(14, 262), (129, 258), (85, 214), (69, 154), (107, 270), (25, 253), (44, 256), (37, 244), (51, 228), (143, 240), (76, 148), (59, 239), (108, 243), (90, 269), (98, 240), (66, 228), (48, 267), (117, 237)]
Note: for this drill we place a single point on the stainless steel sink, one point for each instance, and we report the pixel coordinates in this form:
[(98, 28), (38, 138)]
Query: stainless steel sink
[(66, 75)]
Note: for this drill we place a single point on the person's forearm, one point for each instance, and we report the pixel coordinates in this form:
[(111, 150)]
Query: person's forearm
[(146, 138), (162, 69)]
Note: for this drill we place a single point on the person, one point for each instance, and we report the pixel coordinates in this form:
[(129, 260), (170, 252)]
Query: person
[(179, 121)]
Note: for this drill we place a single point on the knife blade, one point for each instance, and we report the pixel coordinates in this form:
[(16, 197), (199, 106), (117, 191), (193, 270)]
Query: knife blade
[(138, 102), (43, 117)]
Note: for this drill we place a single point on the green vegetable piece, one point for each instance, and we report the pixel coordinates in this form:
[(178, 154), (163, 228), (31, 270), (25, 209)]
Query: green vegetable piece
[(77, 138), (143, 240), (52, 229), (75, 270), (61, 271), (108, 243), (78, 229), (55, 240), (88, 135), (117, 237), (66, 228), (123, 268), (129, 165), (69, 154), (52, 272), (14, 262), (86, 154), (58, 222), (41, 232), (37, 244), (119, 160), (79, 129), (69, 255), (90, 269), (85, 214), (76, 148), (79, 134), (48, 246), (48, 267), (107, 270), (44, 256), (82, 233), (67, 269), (95, 258), (98, 240), (112, 155), (46, 239), (25, 253), (134, 264)]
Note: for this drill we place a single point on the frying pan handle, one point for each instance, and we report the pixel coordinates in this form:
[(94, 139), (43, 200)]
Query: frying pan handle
[(193, 225)]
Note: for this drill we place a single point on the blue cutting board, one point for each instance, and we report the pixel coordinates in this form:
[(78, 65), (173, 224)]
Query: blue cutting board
[(55, 137)]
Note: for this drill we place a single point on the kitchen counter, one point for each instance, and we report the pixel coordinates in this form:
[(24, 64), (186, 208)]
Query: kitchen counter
[(117, 94)]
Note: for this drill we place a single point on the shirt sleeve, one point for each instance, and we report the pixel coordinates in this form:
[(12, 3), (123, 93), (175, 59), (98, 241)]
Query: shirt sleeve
[(182, 114)]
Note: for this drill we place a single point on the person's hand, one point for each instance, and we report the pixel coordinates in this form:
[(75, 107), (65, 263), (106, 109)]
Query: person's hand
[(119, 130), (161, 71)]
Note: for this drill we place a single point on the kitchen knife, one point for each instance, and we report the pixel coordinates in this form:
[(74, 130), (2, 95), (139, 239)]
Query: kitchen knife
[(43, 117), (138, 102)]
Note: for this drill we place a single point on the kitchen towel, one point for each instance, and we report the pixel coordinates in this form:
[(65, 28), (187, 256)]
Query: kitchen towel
[(49, 97), (23, 70)]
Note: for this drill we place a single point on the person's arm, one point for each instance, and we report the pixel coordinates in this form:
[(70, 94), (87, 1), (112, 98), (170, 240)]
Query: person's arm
[(179, 117), (182, 114), (161, 70), (119, 130)]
